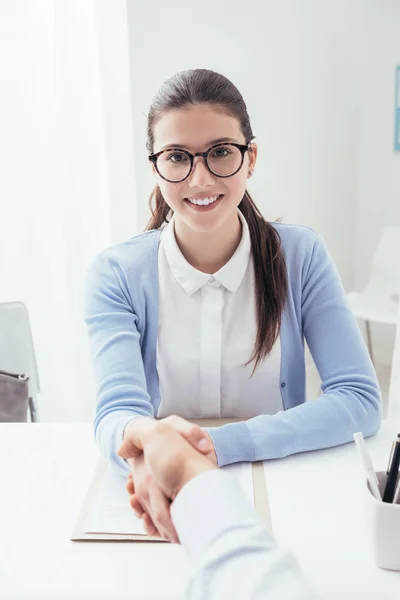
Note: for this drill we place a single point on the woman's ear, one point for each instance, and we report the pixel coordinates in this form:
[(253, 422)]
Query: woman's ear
[(253, 150)]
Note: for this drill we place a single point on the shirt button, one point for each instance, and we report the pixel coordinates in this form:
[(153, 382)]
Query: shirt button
[(214, 283), (283, 384)]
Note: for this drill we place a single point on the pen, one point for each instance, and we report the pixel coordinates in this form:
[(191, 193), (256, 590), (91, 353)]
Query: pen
[(368, 466), (392, 471), (396, 499)]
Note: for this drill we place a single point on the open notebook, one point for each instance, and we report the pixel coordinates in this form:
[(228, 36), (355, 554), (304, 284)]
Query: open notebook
[(110, 512)]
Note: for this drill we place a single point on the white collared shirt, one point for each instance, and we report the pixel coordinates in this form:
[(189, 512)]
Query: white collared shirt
[(232, 554), (207, 329)]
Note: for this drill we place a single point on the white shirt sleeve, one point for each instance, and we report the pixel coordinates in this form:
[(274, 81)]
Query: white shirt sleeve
[(232, 553)]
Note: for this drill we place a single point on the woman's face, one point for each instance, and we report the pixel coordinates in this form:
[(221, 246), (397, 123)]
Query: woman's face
[(195, 129)]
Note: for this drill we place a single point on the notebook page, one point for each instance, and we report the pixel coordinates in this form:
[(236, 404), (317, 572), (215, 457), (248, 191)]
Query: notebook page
[(112, 513)]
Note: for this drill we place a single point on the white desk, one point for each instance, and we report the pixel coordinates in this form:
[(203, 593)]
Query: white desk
[(317, 510), (44, 473)]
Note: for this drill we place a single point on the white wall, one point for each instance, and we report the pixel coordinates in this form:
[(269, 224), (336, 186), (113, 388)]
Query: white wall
[(296, 64), (378, 187)]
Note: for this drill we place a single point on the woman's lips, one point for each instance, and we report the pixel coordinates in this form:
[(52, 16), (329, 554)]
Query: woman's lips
[(204, 207)]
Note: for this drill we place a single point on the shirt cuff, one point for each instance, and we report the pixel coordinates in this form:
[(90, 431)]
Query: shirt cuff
[(232, 443), (208, 505)]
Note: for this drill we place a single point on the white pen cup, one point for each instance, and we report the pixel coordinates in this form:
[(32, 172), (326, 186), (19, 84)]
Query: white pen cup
[(383, 521)]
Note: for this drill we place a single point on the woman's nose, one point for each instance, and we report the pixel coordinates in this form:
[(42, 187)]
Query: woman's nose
[(200, 175)]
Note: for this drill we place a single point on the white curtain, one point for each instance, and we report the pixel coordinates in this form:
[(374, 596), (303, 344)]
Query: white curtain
[(65, 167)]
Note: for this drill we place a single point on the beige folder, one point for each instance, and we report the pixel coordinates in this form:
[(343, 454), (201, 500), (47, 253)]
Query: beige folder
[(260, 498)]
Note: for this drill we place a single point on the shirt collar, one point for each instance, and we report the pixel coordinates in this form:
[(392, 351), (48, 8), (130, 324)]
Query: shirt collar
[(232, 273), (190, 278)]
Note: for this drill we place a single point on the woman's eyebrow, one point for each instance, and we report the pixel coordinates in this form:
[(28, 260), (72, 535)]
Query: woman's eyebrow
[(208, 144)]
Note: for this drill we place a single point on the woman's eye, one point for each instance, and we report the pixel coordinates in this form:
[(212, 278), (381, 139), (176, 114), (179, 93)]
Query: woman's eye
[(221, 152), (176, 157)]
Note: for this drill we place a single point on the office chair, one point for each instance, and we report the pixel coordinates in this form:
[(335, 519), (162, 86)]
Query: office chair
[(17, 354), (394, 385), (379, 301)]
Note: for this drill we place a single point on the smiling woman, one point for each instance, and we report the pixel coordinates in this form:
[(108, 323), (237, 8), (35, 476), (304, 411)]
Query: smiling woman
[(206, 313)]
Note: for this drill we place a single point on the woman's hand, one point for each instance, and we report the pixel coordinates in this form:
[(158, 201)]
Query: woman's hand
[(196, 436), (146, 499)]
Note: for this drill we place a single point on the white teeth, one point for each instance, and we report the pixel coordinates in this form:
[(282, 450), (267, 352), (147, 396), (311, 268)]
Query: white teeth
[(203, 201)]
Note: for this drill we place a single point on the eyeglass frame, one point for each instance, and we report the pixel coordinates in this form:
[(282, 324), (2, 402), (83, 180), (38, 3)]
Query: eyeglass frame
[(242, 147)]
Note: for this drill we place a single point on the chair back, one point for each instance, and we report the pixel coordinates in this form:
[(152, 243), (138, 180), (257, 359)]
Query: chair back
[(394, 386), (385, 272), (17, 354)]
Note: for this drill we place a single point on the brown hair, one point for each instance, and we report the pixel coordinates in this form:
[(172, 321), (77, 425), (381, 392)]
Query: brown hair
[(201, 86)]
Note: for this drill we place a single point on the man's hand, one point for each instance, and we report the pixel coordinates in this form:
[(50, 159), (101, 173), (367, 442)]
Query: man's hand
[(153, 499), (169, 462)]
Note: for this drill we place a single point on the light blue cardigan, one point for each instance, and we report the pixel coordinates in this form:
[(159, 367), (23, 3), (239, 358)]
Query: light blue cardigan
[(121, 313)]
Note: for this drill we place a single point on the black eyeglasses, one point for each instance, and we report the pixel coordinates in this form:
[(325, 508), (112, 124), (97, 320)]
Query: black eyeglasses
[(223, 160)]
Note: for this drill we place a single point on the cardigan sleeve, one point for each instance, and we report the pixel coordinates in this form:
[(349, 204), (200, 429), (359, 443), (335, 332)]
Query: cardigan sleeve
[(114, 343), (350, 399)]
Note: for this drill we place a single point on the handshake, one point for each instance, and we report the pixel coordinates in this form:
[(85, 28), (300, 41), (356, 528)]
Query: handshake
[(163, 455), (235, 555)]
